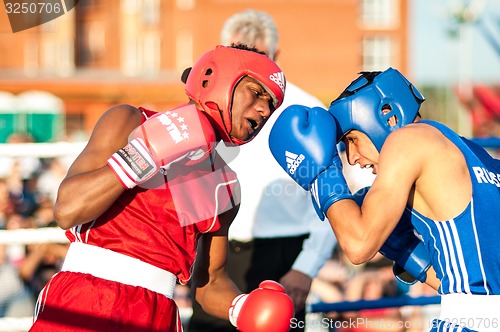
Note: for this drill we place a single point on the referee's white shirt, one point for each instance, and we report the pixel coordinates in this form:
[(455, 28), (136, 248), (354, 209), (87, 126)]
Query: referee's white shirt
[(273, 205)]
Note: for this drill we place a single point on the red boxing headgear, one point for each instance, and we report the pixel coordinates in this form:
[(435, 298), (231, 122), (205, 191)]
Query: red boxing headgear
[(213, 78)]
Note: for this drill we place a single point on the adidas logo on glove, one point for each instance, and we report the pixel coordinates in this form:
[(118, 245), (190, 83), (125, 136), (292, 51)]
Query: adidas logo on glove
[(293, 161)]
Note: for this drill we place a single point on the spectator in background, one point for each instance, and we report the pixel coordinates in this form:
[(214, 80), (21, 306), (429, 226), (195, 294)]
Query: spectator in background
[(21, 180), (182, 297), (374, 281), (44, 214), (49, 181), (16, 251), (15, 298), (420, 317), (7, 207), (28, 165), (27, 268), (332, 280), (41, 262), (276, 234)]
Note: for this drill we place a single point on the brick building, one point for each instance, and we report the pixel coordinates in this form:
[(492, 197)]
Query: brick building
[(133, 51)]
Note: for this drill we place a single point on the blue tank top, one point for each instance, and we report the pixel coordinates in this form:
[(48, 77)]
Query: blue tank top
[(464, 250)]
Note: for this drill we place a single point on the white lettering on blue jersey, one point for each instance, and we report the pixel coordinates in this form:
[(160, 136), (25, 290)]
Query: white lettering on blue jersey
[(485, 176)]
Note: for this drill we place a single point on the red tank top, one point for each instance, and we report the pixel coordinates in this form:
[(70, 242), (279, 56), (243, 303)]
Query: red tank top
[(161, 224)]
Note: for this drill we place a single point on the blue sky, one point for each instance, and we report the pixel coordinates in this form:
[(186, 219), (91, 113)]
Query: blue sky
[(437, 59)]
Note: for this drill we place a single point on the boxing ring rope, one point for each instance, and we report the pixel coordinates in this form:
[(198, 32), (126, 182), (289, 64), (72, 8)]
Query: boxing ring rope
[(33, 235), (60, 149), (10, 324), (385, 302), (42, 150), (56, 235), (487, 142), (15, 324)]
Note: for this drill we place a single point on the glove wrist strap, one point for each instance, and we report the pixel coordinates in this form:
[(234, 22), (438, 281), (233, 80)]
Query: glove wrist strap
[(328, 188), (133, 164), (234, 309)]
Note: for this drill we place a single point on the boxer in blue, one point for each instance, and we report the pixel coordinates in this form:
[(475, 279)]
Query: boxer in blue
[(446, 185)]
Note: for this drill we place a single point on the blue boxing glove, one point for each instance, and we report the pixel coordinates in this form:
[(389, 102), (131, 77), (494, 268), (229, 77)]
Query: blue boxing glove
[(303, 141), (411, 259)]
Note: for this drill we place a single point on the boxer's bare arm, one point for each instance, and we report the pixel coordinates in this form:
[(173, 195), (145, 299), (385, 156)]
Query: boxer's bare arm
[(415, 175), (361, 232), (213, 288), (90, 186)]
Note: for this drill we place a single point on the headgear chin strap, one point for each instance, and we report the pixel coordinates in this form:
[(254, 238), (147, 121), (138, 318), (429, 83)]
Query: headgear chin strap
[(213, 78), (371, 100)]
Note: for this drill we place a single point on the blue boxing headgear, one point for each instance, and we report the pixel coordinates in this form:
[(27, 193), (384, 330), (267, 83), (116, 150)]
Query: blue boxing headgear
[(371, 100)]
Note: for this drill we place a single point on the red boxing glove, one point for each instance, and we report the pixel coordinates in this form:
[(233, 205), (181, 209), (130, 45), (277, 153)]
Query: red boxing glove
[(182, 133), (265, 309)]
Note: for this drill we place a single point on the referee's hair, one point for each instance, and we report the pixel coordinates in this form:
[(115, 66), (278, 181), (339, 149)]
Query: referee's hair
[(251, 26)]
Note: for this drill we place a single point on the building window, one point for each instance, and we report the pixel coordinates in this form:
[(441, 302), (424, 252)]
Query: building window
[(377, 53), (55, 47), (90, 51), (141, 39), (185, 4), (130, 55), (151, 54), (141, 55), (130, 6), (86, 4), (379, 13), (184, 46), (151, 12)]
